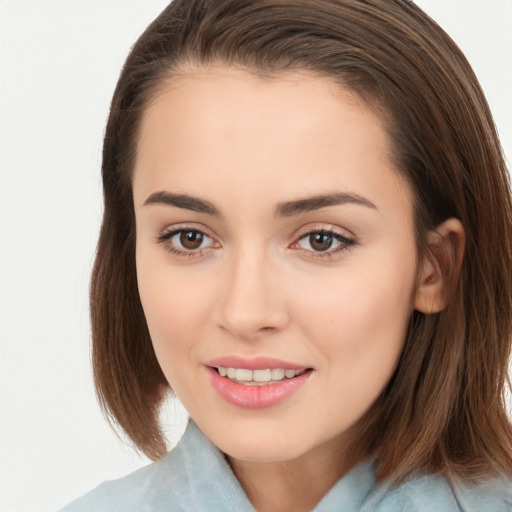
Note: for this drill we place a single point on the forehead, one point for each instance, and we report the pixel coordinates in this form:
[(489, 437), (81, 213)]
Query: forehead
[(291, 133), (209, 102)]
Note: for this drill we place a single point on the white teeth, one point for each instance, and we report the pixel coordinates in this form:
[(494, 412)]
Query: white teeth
[(278, 374), (261, 375), (243, 375), (255, 377)]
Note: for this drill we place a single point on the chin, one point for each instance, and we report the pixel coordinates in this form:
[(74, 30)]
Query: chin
[(257, 452), (258, 443)]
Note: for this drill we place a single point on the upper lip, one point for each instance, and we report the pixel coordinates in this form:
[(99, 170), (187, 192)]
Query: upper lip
[(253, 363)]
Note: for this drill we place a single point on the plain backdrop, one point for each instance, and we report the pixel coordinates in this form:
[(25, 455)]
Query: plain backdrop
[(59, 62)]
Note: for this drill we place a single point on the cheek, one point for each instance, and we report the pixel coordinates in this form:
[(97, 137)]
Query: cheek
[(176, 310), (360, 320)]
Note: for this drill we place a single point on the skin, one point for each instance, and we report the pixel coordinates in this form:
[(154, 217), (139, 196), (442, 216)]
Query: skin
[(256, 286)]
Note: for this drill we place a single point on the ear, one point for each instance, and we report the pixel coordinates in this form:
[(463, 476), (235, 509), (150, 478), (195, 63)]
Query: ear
[(439, 270)]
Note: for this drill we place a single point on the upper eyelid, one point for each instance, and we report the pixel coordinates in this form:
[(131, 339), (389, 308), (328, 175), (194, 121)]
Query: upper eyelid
[(166, 236), (326, 227), (345, 240), (176, 228), (298, 234), (165, 239), (342, 239)]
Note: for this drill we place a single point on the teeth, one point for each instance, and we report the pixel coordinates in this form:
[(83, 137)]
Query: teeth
[(278, 374), (242, 375), (255, 377), (261, 375)]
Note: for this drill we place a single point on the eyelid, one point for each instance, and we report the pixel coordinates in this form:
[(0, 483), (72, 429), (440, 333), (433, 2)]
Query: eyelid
[(347, 240), (325, 227), (169, 232), (184, 226)]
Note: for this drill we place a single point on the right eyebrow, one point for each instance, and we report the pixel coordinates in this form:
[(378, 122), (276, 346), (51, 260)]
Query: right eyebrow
[(290, 208), (183, 201)]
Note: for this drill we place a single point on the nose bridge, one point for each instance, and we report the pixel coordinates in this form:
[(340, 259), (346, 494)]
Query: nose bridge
[(251, 301)]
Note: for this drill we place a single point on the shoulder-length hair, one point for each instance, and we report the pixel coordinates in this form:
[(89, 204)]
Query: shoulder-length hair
[(444, 408)]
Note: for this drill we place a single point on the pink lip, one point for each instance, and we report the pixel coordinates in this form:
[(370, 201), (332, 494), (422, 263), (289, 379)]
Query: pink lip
[(257, 363), (256, 397)]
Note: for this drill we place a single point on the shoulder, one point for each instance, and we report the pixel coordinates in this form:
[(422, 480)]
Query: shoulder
[(142, 490), (433, 493), (191, 477)]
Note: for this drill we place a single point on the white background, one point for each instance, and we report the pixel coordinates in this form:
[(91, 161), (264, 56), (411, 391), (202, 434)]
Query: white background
[(59, 61)]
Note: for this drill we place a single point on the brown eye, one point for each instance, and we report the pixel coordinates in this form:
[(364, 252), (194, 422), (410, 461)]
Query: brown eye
[(191, 239), (187, 242), (323, 241), (320, 241)]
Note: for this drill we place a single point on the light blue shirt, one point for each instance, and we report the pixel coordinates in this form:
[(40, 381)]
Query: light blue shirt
[(195, 477)]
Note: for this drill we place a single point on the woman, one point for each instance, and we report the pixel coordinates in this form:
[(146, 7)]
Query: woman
[(307, 237)]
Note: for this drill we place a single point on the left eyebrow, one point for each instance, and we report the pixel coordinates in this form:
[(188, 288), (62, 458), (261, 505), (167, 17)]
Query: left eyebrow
[(183, 201), (308, 204)]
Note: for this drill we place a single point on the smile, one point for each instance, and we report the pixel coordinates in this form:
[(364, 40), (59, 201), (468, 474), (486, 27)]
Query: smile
[(258, 377), (257, 388)]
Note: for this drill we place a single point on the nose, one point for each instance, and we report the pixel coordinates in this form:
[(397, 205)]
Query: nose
[(252, 304)]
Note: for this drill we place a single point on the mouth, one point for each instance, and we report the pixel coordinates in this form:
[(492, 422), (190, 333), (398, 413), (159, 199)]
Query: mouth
[(256, 383), (260, 377)]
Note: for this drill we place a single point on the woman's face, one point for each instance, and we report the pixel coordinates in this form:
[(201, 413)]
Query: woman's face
[(276, 258)]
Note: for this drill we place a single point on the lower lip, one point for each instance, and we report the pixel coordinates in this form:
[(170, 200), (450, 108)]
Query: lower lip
[(255, 396)]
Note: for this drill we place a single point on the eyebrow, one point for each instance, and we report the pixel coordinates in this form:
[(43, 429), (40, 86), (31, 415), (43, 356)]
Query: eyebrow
[(183, 201), (286, 209), (308, 204)]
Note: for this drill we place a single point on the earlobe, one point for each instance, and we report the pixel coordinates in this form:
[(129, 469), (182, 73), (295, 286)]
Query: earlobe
[(439, 270)]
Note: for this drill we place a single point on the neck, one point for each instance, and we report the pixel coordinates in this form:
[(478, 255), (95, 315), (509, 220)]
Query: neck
[(297, 484)]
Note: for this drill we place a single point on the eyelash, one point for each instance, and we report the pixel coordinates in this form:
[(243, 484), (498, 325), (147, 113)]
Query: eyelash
[(166, 237), (345, 243)]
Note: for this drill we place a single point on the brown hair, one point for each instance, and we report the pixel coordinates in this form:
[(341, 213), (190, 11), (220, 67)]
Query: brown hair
[(444, 408)]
